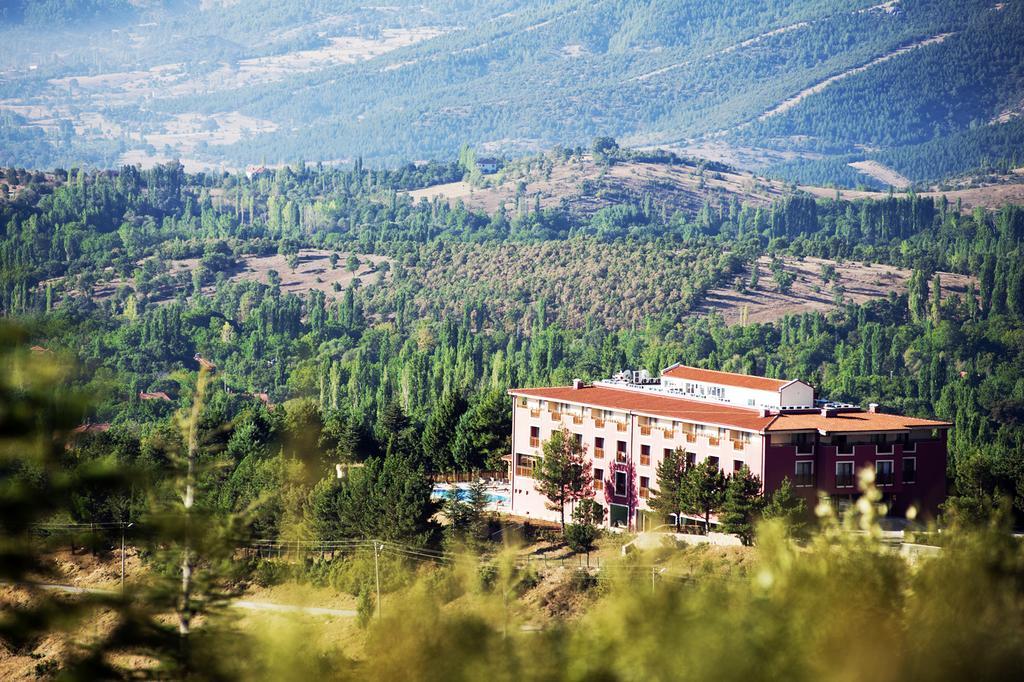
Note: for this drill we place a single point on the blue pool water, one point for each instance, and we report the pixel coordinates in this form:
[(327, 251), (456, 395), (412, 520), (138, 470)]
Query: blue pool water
[(442, 491)]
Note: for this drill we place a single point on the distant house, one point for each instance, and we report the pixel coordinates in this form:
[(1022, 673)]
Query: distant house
[(488, 165), (255, 171), (264, 398), (204, 363), (158, 395), (89, 428)]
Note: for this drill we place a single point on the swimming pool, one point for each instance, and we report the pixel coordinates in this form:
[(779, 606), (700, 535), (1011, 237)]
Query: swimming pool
[(442, 491)]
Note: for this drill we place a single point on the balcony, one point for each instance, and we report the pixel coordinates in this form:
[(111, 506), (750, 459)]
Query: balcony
[(713, 441), (599, 423), (556, 416), (620, 426), (645, 460), (534, 442), (884, 448), (844, 449), (737, 445), (884, 479), (803, 480), (577, 419), (598, 453), (845, 480), (691, 438), (804, 448), (524, 471), (535, 413), (668, 433), (620, 457), (598, 484), (645, 493), (645, 430)]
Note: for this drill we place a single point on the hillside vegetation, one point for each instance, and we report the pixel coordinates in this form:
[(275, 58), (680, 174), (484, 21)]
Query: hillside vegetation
[(928, 88)]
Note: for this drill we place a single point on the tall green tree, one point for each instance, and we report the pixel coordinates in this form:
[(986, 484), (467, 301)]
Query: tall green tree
[(703, 490), (564, 475), (742, 505), (667, 499)]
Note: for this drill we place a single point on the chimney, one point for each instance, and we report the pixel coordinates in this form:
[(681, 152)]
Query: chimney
[(762, 412), (577, 384), (873, 408)]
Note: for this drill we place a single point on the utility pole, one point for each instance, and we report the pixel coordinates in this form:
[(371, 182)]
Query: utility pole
[(376, 571), (124, 526)]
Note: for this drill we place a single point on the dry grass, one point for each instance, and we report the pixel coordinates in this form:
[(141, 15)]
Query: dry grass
[(861, 282)]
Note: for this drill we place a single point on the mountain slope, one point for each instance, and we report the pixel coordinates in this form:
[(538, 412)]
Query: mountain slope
[(230, 84)]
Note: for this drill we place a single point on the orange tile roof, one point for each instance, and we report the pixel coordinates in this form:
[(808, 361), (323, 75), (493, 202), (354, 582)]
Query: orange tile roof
[(712, 376), (651, 404), (851, 421)]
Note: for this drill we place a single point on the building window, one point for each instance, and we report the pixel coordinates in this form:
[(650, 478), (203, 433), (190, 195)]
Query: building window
[(665, 452), (577, 438), (620, 451), (598, 479), (645, 455), (714, 461), (910, 469), (804, 473), (620, 482), (534, 436), (883, 472), (844, 474), (737, 465), (525, 465), (691, 459), (522, 401), (598, 448), (645, 487)]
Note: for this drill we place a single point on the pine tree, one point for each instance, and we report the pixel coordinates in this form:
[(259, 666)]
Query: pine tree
[(787, 507), (703, 490), (742, 505), (667, 499), (564, 475)]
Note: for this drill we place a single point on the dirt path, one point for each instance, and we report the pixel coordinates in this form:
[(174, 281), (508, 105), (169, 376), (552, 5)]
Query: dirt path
[(882, 173), (818, 87), (732, 48)]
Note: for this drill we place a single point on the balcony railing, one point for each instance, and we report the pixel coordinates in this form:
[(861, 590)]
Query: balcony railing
[(534, 441), (737, 445), (598, 484), (645, 460), (691, 438), (713, 441), (645, 493), (577, 419), (619, 426), (803, 480), (598, 453), (668, 433), (534, 413), (804, 448), (844, 480), (556, 416), (524, 471), (598, 422), (884, 448), (620, 457), (645, 430), (845, 449), (884, 479)]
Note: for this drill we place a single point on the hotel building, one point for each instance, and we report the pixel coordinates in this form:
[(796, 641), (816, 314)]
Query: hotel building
[(776, 428)]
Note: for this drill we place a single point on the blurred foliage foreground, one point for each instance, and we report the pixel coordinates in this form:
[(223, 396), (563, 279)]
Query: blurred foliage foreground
[(841, 605)]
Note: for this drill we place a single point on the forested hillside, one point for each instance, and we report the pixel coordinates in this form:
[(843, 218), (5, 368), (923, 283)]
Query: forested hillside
[(458, 306), (924, 87)]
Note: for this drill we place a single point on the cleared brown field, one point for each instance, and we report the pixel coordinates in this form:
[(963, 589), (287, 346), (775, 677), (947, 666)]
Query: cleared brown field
[(809, 293), (584, 187)]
